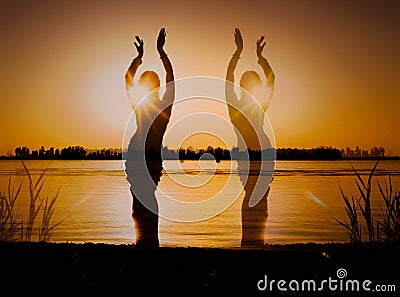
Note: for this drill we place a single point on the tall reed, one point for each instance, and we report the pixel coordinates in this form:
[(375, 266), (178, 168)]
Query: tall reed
[(11, 223), (365, 192), (47, 226), (352, 226), (10, 217), (388, 222), (389, 218), (34, 192)]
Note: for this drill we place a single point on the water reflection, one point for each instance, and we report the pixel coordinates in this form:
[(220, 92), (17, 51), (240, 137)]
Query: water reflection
[(96, 201)]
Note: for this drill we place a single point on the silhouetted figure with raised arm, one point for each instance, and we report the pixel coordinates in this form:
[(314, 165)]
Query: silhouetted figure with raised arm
[(143, 164), (247, 116)]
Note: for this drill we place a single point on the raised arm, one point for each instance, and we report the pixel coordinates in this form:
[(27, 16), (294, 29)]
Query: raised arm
[(169, 95), (230, 94), (130, 74), (230, 76), (263, 62), (164, 58)]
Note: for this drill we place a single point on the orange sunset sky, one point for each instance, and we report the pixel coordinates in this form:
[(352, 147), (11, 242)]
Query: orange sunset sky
[(336, 65)]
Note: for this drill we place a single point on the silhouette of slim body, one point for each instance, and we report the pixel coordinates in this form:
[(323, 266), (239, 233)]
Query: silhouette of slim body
[(143, 164), (248, 119)]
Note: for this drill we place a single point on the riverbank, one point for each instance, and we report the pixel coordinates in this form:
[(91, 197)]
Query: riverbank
[(70, 267)]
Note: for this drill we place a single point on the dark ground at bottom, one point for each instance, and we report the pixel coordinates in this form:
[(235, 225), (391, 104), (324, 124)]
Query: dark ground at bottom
[(68, 268)]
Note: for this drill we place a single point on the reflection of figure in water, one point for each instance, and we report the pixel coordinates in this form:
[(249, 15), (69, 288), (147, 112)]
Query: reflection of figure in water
[(248, 119), (143, 162)]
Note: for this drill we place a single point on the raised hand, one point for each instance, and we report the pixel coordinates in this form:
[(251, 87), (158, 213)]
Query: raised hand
[(238, 41), (161, 40), (260, 46), (139, 46)]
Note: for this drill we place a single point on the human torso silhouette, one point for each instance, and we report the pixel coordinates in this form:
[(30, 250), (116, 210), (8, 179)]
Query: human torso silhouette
[(247, 115), (143, 165)]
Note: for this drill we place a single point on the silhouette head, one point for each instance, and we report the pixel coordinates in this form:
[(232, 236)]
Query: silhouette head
[(250, 80), (150, 80)]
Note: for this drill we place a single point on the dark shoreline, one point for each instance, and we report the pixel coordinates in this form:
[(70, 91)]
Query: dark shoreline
[(123, 268)]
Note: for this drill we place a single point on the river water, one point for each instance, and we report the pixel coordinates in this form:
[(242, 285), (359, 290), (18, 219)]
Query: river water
[(94, 201)]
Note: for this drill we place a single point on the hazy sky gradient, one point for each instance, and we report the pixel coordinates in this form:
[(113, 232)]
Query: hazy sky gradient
[(336, 64)]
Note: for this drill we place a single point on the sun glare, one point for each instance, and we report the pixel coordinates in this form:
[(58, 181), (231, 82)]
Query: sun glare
[(140, 92)]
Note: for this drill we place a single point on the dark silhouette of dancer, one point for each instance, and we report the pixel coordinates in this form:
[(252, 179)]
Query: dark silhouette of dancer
[(248, 120), (143, 164)]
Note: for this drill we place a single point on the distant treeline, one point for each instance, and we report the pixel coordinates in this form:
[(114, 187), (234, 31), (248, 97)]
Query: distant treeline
[(67, 153), (321, 153), (218, 153)]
